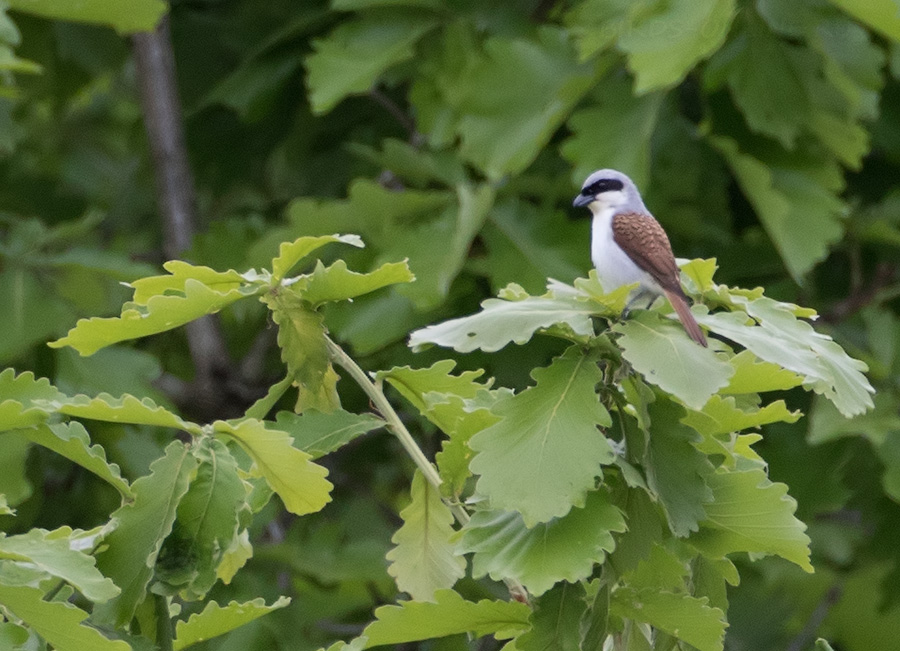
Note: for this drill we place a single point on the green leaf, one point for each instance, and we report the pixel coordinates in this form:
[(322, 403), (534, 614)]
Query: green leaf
[(448, 614), (881, 15), (14, 482), (749, 513), (32, 312), (777, 336), (822, 645), (23, 399), (663, 46), (143, 524), (676, 470), (614, 132), (4, 507), (723, 416), (52, 553), (301, 337), (564, 549), (545, 453), (206, 523), (504, 126), (59, 623), (72, 441), (415, 383), (125, 16), (556, 621), (337, 283), (423, 560), (796, 204), (661, 351), (124, 409), (317, 434), (290, 253), (353, 56), (160, 313), (685, 617), (217, 620), (299, 482), (752, 375), (175, 281), (596, 25), (501, 322)]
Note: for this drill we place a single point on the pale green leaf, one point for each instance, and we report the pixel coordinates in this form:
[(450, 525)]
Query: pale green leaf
[(749, 513), (299, 482), (351, 58), (215, 620), (777, 336), (723, 416), (317, 434), (556, 622), (206, 523), (4, 507), (179, 273), (337, 283), (448, 614), (32, 311), (23, 399), (881, 15), (143, 524), (59, 623), (501, 322), (821, 644), (597, 24), (414, 383), (423, 560), (124, 409), (545, 453), (290, 253), (685, 617), (663, 46), (564, 549), (661, 351), (52, 552), (161, 313), (72, 441), (752, 375), (125, 16)]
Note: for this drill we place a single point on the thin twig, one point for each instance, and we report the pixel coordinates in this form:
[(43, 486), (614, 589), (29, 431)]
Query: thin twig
[(805, 637)]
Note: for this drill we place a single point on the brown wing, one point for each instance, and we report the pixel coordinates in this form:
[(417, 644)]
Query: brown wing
[(646, 243)]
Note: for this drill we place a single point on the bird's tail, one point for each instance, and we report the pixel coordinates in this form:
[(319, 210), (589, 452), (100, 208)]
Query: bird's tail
[(679, 302)]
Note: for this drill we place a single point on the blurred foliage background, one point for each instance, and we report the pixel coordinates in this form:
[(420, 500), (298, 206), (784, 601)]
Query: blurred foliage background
[(454, 133)]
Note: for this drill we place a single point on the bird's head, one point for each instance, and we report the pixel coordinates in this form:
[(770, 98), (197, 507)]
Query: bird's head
[(609, 189)]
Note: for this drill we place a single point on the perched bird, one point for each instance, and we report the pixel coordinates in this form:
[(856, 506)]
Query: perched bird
[(628, 245)]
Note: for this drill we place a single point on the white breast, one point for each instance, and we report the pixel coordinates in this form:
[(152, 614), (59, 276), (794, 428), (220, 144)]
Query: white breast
[(614, 267)]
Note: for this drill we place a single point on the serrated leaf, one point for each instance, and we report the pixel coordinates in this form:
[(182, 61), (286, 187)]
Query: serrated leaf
[(448, 614), (685, 617), (556, 622), (337, 283), (299, 482), (664, 45), (160, 313), (206, 523), (352, 57), (661, 351), (124, 409), (72, 441), (125, 17), (423, 560), (564, 549), (752, 375), (290, 253), (777, 336), (215, 620), (502, 322), (143, 524), (749, 513), (317, 434), (545, 453), (301, 337), (676, 470), (179, 273), (52, 552), (22, 399), (721, 415), (414, 383), (59, 623)]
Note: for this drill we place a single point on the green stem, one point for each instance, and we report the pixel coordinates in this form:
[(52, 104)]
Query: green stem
[(164, 633), (376, 395), (264, 405)]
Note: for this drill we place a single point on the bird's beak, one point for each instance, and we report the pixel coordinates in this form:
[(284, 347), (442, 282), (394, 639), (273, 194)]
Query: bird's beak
[(582, 200)]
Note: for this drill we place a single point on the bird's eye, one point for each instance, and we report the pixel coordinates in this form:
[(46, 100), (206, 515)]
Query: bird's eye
[(603, 185)]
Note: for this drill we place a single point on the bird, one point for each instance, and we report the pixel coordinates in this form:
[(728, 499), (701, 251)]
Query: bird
[(628, 245)]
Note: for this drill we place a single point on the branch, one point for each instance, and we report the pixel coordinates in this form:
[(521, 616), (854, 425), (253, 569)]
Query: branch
[(861, 296)]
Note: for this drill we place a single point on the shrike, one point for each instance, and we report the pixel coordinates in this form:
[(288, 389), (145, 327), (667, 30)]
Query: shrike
[(628, 245)]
